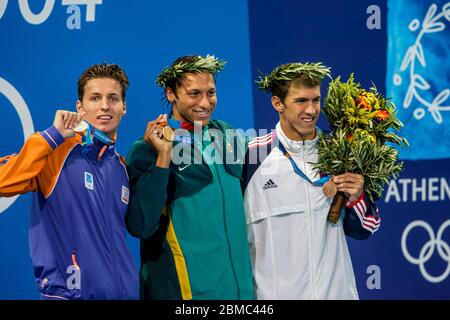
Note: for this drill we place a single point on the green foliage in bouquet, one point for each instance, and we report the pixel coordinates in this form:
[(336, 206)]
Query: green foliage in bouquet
[(363, 135)]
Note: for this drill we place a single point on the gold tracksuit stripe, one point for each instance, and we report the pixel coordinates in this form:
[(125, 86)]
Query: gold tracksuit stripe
[(180, 263)]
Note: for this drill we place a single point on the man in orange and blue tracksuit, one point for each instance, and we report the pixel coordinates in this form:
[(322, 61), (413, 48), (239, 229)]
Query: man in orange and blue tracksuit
[(77, 231)]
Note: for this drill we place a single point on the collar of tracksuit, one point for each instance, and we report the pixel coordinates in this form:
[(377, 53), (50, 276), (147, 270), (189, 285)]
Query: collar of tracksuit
[(296, 147)]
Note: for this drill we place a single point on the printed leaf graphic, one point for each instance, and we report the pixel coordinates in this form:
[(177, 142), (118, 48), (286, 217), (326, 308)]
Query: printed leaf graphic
[(436, 115), (430, 14), (420, 82), (441, 97), (409, 96), (446, 11), (407, 59), (435, 27), (419, 54)]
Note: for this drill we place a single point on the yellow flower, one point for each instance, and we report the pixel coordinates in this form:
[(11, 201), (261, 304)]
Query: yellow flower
[(350, 102), (363, 102), (372, 99), (365, 135)]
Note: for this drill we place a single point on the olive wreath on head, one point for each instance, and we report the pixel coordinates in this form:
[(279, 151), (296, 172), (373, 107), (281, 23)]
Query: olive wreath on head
[(200, 64), (291, 71)]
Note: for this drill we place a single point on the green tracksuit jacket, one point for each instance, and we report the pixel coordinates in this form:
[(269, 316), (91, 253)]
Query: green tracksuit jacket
[(191, 221)]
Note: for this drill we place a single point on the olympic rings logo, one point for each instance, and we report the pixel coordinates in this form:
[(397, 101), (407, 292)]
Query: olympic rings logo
[(21, 108), (427, 250)]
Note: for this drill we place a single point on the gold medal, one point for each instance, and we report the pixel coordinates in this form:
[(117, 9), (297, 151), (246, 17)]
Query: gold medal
[(168, 133), (329, 189), (82, 126)]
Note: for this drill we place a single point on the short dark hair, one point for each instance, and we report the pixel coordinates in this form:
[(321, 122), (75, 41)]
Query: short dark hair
[(104, 70)]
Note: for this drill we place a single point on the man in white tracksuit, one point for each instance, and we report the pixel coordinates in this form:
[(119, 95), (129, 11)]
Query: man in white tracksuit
[(295, 252)]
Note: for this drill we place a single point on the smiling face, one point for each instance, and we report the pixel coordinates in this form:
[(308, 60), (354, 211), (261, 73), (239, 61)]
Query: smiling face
[(102, 104), (299, 111), (195, 97)]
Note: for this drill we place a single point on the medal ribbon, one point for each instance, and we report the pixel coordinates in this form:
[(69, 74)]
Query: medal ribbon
[(299, 172), (176, 124), (92, 132)]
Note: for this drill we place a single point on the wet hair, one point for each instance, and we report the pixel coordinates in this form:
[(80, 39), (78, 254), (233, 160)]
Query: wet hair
[(104, 70)]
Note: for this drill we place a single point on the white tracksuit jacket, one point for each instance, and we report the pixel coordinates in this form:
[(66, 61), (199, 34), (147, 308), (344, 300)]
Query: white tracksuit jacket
[(295, 252)]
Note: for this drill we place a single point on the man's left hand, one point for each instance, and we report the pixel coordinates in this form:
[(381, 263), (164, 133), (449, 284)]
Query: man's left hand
[(352, 184)]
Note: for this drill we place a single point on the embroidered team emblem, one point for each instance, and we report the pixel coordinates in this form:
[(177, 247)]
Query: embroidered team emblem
[(125, 194), (88, 180)]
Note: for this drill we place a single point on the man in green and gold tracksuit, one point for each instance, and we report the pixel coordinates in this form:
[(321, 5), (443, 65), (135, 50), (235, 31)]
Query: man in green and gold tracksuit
[(186, 203)]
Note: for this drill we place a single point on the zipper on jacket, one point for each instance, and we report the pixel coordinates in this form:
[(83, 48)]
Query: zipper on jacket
[(74, 260), (112, 248), (115, 259), (310, 231), (224, 220)]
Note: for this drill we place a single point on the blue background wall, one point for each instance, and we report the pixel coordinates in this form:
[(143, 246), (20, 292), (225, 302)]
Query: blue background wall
[(43, 62)]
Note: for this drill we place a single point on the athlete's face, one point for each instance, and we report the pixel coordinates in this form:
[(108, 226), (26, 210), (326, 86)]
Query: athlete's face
[(102, 104), (299, 112), (195, 99)]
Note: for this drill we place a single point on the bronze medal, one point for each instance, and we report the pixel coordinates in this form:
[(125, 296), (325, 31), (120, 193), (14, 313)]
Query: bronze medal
[(329, 189), (168, 133)]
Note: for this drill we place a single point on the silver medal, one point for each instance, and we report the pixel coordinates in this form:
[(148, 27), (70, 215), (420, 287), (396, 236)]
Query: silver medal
[(82, 126)]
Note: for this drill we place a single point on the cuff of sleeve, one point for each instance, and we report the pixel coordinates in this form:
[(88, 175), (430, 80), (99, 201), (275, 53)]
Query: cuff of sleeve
[(52, 136), (349, 204), (161, 173)]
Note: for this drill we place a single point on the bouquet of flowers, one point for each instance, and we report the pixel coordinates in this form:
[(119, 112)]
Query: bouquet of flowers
[(362, 140)]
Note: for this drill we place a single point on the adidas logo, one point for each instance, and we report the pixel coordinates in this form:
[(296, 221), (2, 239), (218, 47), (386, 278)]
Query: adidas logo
[(270, 185)]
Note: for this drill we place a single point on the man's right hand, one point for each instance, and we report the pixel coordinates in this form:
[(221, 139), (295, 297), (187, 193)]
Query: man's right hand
[(153, 136), (65, 121)]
